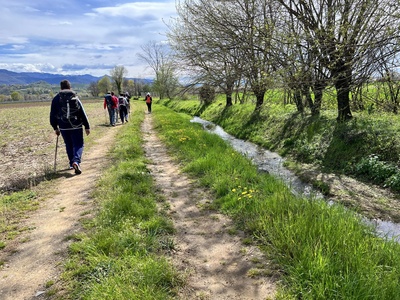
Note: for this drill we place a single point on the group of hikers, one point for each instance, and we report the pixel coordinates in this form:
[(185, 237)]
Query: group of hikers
[(116, 104), (68, 118)]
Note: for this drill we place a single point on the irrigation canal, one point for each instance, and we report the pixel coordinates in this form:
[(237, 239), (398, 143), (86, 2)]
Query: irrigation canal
[(272, 163)]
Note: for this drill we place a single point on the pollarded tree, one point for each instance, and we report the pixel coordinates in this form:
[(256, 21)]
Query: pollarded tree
[(227, 41), (207, 94), (201, 45), (347, 37), (302, 73)]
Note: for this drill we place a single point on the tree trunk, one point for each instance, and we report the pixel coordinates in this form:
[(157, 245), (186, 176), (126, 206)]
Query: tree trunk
[(260, 101), (228, 99), (229, 91), (298, 100), (343, 86), (343, 101), (318, 90), (316, 109)]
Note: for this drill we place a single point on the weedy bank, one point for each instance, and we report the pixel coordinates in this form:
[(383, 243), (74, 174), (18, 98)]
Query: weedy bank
[(366, 147), (325, 252)]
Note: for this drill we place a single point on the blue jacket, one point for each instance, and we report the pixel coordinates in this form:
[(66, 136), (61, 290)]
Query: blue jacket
[(67, 112)]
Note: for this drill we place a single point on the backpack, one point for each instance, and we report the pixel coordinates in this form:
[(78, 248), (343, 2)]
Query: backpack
[(69, 108), (122, 101), (109, 101), (148, 99)]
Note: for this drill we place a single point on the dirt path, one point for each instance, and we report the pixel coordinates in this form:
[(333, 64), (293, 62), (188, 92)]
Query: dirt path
[(35, 262), (218, 264)]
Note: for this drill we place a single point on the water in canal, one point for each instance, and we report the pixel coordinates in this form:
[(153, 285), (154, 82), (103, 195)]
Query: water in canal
[(272, 163)]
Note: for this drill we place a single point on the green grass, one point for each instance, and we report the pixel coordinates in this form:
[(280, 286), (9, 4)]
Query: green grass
[(12, 208), (334, 147), (120, 256), (324, 252)]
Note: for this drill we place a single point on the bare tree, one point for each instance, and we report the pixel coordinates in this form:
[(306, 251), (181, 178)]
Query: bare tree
[(159, 58), (227, 42), (201, 45), (301, 72)]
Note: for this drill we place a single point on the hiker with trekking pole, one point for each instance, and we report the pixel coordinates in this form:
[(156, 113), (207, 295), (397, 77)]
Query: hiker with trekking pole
[(68, 117)]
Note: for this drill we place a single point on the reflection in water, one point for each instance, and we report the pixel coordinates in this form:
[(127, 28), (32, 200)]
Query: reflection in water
[(272, 163)]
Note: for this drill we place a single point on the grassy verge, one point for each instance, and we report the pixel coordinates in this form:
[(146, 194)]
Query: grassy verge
[(325, 252), (367, 147), (120, 254)]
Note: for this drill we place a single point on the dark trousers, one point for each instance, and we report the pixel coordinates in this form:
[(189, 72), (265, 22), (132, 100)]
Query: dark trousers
[(73, 140), (123, 113), (148, 107), (111, 113)]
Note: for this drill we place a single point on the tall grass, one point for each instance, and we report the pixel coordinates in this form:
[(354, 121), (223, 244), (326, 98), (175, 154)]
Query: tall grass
[(325, 252), (320, 140), (120, 254)]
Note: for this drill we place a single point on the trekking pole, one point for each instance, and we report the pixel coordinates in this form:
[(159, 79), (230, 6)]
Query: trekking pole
[(55, 155)]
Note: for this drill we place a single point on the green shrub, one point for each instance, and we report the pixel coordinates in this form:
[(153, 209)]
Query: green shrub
[(374, 169)]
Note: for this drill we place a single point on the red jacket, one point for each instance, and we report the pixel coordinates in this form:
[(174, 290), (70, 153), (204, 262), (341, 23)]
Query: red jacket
[(115, 102)]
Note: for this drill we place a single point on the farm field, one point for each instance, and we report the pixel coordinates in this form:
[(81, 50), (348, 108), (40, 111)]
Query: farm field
[(28, 142)]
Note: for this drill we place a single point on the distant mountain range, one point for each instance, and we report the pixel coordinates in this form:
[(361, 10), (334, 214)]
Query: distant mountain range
[(9, 78)]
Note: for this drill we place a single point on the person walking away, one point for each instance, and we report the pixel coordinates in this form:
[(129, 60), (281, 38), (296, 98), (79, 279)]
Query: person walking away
[(149, 100), (116, 110), (68, 117), (128, 107), (111, 105), (123, 108)]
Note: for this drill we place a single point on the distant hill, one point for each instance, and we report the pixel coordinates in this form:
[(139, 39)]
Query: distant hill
[(10, 78)]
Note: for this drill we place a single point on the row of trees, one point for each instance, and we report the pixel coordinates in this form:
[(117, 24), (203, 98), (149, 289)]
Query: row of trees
[(118, 83), (303, 45)]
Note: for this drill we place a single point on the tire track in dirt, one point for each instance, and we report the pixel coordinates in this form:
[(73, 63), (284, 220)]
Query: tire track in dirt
[(36, 261), (216, 263)]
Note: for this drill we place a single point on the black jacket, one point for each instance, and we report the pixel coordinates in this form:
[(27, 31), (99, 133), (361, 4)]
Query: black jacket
[(67, 112)]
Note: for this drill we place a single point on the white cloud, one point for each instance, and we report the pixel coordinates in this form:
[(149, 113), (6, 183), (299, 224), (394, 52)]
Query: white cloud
[(138, 9), (47, 35)]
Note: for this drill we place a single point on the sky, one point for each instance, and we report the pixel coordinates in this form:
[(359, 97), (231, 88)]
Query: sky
[(77, 37)]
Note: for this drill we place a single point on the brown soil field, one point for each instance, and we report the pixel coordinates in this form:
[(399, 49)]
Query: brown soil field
[(28, 143)]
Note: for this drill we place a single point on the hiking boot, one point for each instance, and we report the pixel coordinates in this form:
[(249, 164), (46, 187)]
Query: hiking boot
[(77, 168)]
